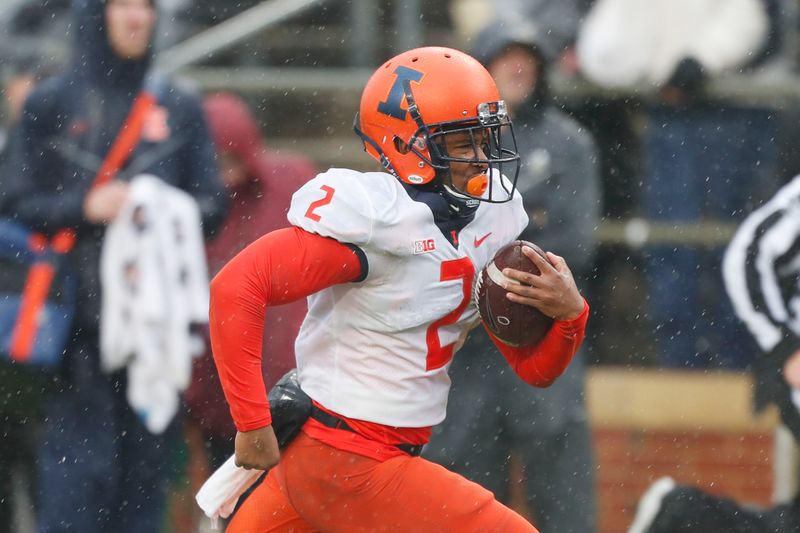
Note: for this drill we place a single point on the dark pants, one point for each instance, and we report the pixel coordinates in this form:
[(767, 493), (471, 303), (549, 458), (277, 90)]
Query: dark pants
[(99, 468), (21, 391), (492, 414), (689, 510), (17, 438), (701, 164)]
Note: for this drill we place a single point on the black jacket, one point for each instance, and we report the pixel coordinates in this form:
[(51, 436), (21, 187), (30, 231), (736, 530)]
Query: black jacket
[(68, 126)]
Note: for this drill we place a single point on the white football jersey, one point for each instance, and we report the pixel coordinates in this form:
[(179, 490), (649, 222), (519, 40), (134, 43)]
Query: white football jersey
[(378, 350)]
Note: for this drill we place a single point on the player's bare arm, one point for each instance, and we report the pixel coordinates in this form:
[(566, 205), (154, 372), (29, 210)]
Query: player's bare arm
[(554, 292), (257, 449)]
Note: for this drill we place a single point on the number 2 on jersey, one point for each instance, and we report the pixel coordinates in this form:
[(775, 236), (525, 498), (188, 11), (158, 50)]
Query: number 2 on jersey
[(462, 269), (319, 203)]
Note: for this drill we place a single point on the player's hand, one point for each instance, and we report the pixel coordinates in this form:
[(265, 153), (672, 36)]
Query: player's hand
[(104, 202), (257, 449), (554, 292), (791, 370)]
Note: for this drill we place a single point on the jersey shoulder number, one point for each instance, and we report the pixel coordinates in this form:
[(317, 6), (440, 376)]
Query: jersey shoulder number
[(342, 204)]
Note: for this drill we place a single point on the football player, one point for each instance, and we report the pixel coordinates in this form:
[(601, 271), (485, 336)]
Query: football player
[(388, 262)]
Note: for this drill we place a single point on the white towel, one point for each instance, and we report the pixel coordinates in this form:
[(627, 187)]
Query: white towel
[(220, 493), (155, 290)]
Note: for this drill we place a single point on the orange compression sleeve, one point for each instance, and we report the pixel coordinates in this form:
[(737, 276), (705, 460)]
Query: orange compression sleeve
[(280, 267), (539, 365)]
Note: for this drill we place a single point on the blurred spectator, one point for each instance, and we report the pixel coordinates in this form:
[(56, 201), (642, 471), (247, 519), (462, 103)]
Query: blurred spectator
[(760, 271), (704, 161), (19, 79), (21, 71), (623, 43), (100, 468), (20, 388), (260, 184), (492, 415), (557, 21)]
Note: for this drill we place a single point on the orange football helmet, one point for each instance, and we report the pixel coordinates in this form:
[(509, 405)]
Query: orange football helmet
[(421, 95)]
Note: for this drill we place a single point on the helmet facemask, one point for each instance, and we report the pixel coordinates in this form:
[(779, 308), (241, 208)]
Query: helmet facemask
[(492, 145)]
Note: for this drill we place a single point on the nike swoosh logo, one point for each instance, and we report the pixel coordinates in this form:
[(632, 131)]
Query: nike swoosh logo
[(478, 241)]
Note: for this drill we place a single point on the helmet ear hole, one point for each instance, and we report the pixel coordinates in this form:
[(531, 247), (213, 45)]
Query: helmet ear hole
[(401, 146)]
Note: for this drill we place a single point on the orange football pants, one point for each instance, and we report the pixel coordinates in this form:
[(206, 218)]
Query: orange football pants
[(317, 488)]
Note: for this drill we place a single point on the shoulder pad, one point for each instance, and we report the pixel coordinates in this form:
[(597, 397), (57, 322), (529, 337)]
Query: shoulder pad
[(345, 205)]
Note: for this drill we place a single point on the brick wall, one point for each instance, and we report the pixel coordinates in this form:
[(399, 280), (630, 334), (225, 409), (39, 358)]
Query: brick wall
[(737, 465), (697, 427)]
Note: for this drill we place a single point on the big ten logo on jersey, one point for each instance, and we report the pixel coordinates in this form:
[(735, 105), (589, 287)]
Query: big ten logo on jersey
[(424, 246)]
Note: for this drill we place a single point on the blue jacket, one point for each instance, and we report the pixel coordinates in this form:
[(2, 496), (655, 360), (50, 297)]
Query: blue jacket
[(68, 125)]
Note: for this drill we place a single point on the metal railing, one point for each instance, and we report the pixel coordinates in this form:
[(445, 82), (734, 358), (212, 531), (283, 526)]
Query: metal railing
[(773, 90), (637, 232), (278, 79), (230, 32), (362, 45)]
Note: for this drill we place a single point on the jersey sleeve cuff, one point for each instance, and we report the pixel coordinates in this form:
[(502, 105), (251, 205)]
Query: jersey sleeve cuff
[(254, 424), (362, 260), (574, 326)]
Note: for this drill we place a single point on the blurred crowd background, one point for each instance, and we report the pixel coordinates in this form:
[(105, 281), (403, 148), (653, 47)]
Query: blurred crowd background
[(690, 110), (669, 200)]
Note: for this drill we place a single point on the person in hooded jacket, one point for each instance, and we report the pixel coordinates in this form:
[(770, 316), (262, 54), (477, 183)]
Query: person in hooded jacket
[(20, 405), (99, 467), (705, 159), (260, 184), (545, 429)]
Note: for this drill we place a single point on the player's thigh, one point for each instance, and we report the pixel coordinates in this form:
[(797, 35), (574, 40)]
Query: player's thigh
[(422, 496), (342, 492), (267, 510)]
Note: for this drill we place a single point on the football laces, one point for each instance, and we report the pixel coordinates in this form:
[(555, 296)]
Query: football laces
[(476, 290)]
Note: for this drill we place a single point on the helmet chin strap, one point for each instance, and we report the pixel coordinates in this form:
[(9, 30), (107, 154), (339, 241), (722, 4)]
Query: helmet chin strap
[(461, 204)]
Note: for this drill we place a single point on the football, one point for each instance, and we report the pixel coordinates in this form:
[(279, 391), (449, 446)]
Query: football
[(513, 323)]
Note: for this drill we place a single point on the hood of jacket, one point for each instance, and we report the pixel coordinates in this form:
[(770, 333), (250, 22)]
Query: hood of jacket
[(234, 130), (498, 37), (94, 57)]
